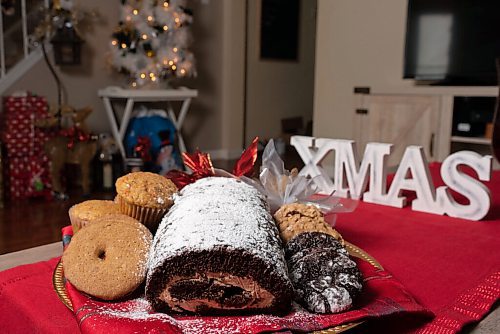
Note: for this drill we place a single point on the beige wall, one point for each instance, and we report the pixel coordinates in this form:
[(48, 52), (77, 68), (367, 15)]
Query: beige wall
[(279, 89), (359, 43), (233, 74), (215, 119), (203, 126)]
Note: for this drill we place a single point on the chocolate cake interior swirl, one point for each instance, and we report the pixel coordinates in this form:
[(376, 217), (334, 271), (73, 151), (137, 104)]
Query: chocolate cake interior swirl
[(217, 251)]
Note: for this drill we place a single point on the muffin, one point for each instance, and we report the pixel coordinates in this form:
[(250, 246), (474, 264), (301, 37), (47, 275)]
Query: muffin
[(83, 213), (145, 196)]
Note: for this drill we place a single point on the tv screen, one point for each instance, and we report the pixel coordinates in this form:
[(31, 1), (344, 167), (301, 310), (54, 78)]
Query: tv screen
[(453, 42)]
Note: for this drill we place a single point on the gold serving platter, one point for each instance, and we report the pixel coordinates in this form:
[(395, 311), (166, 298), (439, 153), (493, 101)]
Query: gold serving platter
[(58, 283)]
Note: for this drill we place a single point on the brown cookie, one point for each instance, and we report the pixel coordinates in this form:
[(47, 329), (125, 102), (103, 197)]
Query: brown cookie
[(107, 259), (296, 218)]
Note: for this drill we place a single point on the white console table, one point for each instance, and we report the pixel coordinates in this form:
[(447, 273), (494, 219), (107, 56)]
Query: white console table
[(135, 95), (416, 115)]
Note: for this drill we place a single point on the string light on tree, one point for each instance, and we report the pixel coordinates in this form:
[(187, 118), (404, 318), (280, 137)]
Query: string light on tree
[(151, 43)]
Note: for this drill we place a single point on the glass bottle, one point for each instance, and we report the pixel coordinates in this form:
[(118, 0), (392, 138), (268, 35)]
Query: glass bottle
[(106, 159)]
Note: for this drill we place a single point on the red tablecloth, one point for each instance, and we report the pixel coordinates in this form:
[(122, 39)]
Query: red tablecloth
[(450, 265)]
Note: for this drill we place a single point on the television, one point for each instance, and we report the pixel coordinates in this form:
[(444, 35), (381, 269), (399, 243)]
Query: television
[(452, 42)]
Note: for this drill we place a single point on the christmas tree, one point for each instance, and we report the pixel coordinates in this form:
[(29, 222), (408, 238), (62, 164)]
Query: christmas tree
[(152, 40)]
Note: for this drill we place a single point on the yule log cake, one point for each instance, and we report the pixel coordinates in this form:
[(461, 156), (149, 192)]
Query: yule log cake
[(218, 251)]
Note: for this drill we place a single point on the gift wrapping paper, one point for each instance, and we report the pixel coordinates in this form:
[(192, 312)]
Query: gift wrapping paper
[(26, 165)]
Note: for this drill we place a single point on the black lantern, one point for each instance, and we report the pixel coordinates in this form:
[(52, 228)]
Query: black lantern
[(67, 45)]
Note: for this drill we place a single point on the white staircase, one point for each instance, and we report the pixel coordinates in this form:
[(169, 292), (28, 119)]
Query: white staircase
[(17, 54)]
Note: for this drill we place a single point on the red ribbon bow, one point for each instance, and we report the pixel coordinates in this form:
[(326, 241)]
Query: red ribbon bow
[(201, 166), (246, 163), (74, 135), (143, 148)]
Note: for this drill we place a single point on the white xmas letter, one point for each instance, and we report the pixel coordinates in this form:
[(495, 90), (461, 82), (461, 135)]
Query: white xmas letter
[(414, 162), (346, 170), (476, 192), (313, 151)]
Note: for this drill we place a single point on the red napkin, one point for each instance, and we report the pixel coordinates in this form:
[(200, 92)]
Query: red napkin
[(132, 316), (382, 295), (29, 304)]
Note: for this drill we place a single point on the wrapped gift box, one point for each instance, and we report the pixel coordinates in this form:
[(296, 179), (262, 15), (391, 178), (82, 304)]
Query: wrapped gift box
[(26, 164)]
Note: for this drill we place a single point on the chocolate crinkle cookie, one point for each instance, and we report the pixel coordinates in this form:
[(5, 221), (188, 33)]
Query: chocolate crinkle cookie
[(324, 277)]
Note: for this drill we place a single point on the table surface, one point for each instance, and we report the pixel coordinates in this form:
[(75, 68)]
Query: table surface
[(118, 128), (149, 95), (30, 255), (489, 325), (394, 232)]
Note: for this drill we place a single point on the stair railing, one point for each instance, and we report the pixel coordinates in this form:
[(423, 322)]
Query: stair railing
[(28, 50)]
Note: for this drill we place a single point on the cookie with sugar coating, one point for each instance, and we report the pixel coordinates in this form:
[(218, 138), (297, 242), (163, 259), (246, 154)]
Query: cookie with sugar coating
[(324, 277)]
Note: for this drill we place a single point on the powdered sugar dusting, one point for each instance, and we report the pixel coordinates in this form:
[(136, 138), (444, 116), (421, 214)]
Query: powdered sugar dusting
[(137, 309), (299, 318), (218, 211), (143, 252), (133, 316), (136, 316)]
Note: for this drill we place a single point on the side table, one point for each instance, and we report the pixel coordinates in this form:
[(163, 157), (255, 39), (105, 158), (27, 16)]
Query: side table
[(135, 95)]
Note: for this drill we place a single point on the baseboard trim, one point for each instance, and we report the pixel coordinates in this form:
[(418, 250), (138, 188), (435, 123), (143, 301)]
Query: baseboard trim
[(225, 154)]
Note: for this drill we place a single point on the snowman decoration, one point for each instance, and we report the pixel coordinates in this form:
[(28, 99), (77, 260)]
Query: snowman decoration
[(166, 159)]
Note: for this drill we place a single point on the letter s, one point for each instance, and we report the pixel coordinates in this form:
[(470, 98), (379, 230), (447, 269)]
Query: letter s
[(476, 192)]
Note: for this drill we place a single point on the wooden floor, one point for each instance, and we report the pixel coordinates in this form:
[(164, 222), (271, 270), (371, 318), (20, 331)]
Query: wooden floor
[(35, 222)]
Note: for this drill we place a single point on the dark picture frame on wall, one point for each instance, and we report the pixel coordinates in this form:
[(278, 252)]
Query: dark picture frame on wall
[(279, 30)]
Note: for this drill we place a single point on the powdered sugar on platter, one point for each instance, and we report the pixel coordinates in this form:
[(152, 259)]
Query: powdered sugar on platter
[(299, 318), (136, 309), (139, 312)]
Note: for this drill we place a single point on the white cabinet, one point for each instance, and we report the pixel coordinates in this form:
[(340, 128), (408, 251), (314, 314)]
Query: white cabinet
[(414, 116), (401, 120)]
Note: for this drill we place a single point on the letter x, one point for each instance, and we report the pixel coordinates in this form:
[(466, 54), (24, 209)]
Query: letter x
[(312, 152)]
